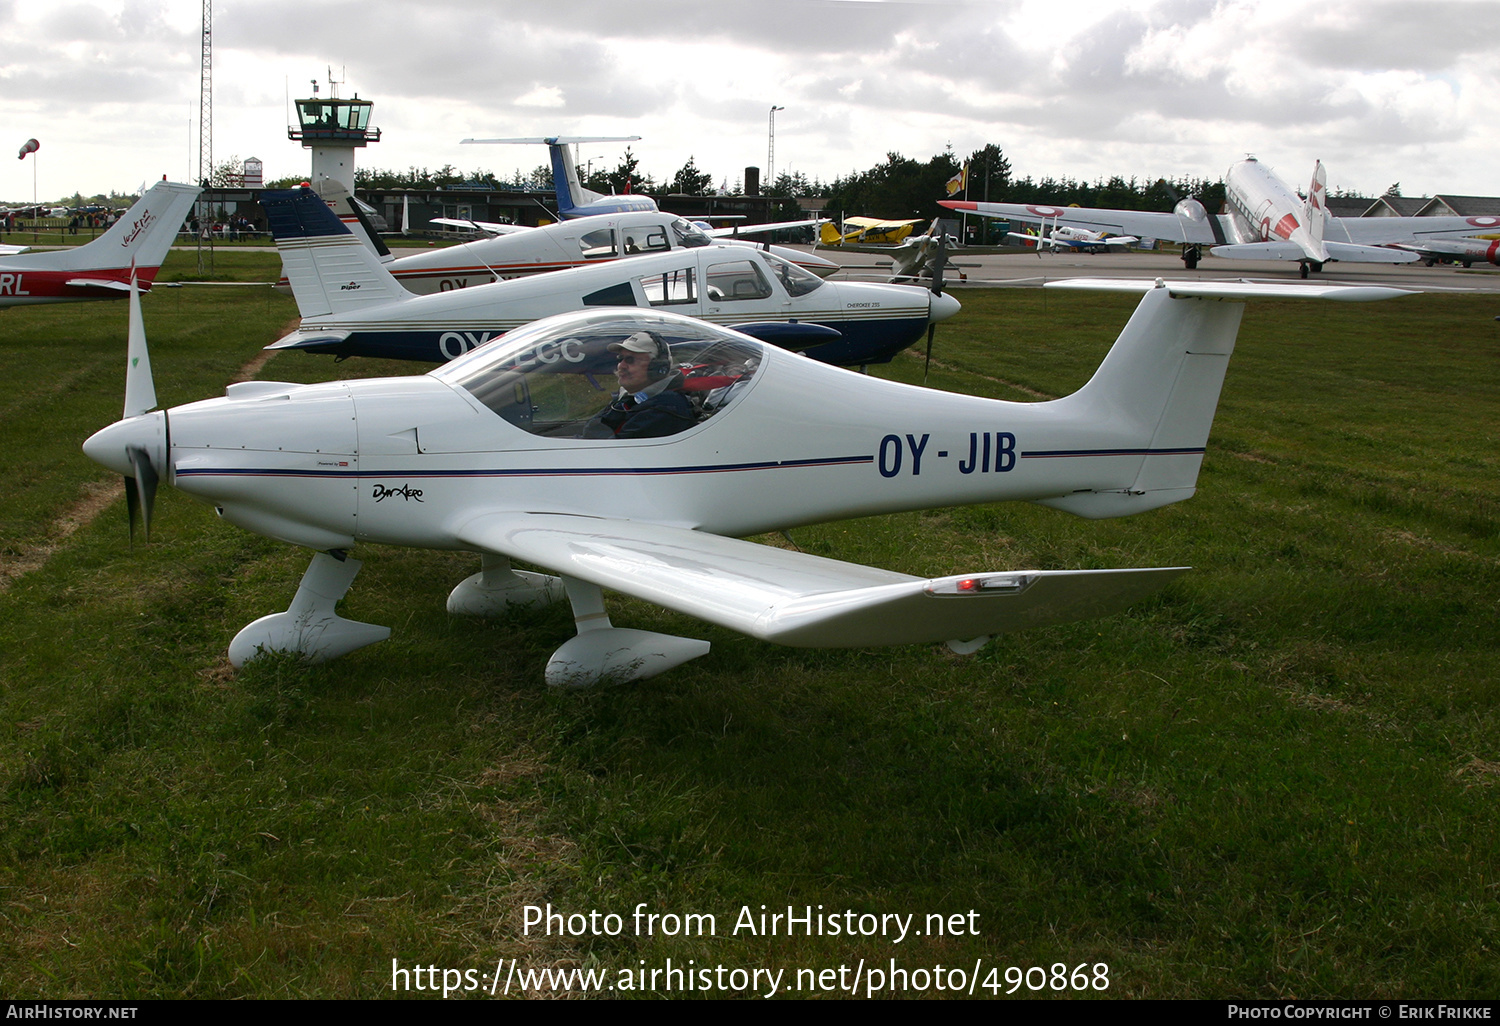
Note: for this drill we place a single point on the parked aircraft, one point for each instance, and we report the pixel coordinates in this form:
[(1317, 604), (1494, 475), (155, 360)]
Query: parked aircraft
[(501, 453), (866, 229), (352, 306), (1067, 237), (102, 269), (1266, 221), (573, 200), (578, 242), (1463, 251), (914, 258)]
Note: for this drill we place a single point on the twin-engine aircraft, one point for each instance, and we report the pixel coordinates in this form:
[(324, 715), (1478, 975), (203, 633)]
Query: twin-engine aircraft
[(351, 305), (524, 450), (1266, 220), (101, 269)]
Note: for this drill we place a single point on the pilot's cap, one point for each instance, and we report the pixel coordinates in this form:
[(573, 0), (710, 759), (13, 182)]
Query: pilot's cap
[(640, 342)]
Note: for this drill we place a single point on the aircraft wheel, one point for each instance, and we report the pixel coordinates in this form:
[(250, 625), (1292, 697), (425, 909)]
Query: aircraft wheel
[(1303, 268), (1468, 263), (1190, 257), (1430, 263), (1317, 267)]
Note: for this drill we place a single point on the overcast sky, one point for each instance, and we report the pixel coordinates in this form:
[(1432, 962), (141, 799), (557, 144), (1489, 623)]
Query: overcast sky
[(1382, 91)]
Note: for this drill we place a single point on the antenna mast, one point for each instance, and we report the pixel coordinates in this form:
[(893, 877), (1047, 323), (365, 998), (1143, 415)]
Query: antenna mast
[(206, 99)]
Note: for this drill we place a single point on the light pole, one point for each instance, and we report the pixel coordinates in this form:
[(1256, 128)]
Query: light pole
[(771, 150)]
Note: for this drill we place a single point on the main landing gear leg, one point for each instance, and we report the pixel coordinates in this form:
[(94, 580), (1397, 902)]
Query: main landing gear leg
[(310, 626), (605, 654), (497, 587)]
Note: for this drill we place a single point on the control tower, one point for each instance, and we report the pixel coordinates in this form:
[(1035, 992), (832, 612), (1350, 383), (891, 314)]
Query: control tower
[(333, 129)]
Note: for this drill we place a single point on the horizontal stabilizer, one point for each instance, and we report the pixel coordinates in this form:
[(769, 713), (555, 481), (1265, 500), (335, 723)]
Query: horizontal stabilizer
[(1260, 251), (1235, 289), (321, 340), (793, 598), (108, 284), (1368, 254)]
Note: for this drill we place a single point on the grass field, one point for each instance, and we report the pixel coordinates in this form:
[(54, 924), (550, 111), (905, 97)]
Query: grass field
[(1279, 778)]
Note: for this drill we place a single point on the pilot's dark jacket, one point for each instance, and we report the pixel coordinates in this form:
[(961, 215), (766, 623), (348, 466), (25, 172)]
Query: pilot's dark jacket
[(665, 413)]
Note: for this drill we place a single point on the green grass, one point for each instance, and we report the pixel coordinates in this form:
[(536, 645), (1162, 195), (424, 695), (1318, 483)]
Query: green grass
[(1279, 778)]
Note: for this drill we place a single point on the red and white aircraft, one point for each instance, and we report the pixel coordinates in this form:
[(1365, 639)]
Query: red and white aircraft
[(1266, 220), (1463, 251), (102, 268)]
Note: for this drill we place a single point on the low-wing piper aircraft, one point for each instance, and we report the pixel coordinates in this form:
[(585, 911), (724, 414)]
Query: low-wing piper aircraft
[(102, 269), (352, 306), (579, 242), (1266, 221), (521, 250), (501, 453)]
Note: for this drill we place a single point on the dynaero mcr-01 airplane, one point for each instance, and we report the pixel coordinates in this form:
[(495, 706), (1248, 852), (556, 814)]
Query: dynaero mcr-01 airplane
[(351, 305), (1266, 221), (101, 269), (523, 450), (573, 200)]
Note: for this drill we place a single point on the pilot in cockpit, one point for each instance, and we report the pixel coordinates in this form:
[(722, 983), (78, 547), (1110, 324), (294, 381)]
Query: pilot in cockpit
[(649, 404)]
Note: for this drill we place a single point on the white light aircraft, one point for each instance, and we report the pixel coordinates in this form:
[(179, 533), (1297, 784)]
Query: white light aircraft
[(579, 242), (102, 269), (1266, 221), (1067, 237), (352, 306), (502, 453), (573, 200)]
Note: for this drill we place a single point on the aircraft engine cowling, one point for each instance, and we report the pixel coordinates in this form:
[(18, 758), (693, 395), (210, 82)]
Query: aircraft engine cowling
[(1191, 210)]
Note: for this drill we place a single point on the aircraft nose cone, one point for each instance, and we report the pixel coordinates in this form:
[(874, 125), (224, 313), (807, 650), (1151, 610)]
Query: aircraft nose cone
[(940, 308), (110, 446)]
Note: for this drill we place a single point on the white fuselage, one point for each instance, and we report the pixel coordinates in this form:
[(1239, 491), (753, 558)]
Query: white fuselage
[(579, 242)]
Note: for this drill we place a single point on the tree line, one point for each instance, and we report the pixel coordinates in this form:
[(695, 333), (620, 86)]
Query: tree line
[(898, 187)]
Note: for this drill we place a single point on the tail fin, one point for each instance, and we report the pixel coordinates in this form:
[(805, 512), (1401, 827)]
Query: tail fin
[(1317, 205), (330, 271), (142, 236), (1160, 384)]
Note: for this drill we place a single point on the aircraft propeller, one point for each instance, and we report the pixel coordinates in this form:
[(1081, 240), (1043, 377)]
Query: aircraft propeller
[(129, 445), (939, 265)]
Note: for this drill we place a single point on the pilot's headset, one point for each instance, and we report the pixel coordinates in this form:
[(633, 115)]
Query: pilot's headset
[(661, 371)]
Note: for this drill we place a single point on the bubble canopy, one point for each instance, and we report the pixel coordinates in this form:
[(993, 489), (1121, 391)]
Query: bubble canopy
[(555, 376)]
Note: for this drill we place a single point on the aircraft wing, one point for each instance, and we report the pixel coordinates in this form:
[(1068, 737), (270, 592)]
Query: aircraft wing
[(755, 229), (9, 250), (491, 227), (868, 223), (793, 598), (1144, 224)]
